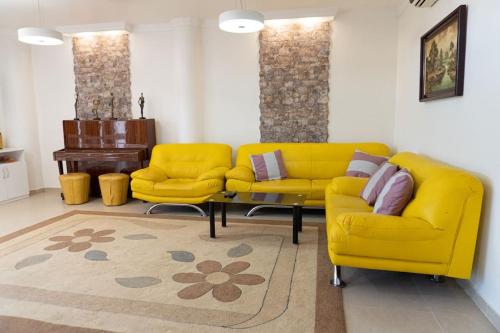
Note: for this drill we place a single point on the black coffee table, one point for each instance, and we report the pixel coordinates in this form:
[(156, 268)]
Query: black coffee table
[(296, 201)]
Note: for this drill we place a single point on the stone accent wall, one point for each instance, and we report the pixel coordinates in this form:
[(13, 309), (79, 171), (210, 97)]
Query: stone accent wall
[(294, 72), (102, 67)]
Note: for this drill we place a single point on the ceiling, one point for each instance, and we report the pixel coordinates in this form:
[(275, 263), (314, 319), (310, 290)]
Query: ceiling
[(16, 13)]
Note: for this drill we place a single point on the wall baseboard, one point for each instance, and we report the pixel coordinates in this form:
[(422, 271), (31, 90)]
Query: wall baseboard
[(45, 189), (490, 314)]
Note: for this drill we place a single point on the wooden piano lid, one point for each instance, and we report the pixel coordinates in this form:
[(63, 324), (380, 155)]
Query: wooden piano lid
[(109, 134)]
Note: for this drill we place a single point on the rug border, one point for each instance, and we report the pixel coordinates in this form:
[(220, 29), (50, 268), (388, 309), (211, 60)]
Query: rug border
[(330, 316)]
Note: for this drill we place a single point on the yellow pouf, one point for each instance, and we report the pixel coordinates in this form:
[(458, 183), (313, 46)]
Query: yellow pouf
[(114, 188), (75, 187)]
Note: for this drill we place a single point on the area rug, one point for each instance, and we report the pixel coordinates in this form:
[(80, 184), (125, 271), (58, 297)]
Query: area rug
[(105, 272)]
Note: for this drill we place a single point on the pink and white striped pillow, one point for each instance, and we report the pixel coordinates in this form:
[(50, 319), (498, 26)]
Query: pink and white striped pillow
[(377, 181), (364, 165), (395, 195), (268, 166)]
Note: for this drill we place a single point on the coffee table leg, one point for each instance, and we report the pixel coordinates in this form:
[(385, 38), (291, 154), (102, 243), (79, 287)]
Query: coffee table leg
[(299, 216), (223, 214), (211, 212), (295, 230)]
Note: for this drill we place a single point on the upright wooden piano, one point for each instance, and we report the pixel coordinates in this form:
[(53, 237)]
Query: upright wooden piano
[(104, 146)]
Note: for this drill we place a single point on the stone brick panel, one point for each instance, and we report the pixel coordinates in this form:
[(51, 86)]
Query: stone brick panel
[(102, 67), (294, 87)]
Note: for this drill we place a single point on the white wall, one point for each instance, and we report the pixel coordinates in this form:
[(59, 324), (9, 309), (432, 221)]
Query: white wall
[(18, 119), (231, 87), (463, 130), (363, 76), (54, 92)]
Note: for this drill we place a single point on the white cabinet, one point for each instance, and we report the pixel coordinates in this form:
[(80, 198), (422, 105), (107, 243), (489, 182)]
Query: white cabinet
[(13, 175)]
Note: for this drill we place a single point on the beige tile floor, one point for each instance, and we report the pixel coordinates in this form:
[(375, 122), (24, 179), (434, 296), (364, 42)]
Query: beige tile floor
[(374, 301)]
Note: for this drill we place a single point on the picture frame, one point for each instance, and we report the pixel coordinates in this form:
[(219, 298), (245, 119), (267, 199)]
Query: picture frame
[(442, 57)]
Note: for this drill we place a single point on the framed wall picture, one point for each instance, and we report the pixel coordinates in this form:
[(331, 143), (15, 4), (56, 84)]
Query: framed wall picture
[(442, 57)]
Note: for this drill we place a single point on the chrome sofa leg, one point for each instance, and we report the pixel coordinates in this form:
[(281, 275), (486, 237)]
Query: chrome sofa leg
[(437, 278), (201, 211), (336, 280)]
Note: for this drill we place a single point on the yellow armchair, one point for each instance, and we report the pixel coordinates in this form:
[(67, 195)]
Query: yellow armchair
[(182, 174), (435, 235)]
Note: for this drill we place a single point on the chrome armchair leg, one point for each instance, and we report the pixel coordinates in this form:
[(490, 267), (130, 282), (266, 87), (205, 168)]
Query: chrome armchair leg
[(201, 211), (336, 280), (437, 278)]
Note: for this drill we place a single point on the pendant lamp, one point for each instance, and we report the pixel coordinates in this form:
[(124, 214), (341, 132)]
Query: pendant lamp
[(39, 35), (241, 20)]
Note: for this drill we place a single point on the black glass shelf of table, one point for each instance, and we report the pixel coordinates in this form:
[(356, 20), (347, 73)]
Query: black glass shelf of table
[(295, 201)]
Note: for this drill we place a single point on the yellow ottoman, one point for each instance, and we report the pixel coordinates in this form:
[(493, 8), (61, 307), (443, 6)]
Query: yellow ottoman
[(75, 187), (114, 188)]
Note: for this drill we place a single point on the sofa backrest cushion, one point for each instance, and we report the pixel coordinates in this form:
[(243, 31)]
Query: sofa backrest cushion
[(311, 160), (190, 160)]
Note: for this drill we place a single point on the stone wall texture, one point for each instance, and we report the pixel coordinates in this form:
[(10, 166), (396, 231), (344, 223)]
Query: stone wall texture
[(294, 87), (102, 67)]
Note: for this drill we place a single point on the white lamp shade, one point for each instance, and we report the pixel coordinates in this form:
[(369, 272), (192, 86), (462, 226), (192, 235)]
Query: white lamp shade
[(241, 21), (39, 36)]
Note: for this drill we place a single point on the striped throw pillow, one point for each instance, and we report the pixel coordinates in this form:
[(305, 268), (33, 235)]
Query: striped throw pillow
[(268, 166), (377, 181), (395, 195), (364, 165)]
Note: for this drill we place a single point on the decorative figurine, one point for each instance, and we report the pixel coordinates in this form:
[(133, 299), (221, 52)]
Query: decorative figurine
[(112, 104), (96, 103), (141, 102), (76, 106)]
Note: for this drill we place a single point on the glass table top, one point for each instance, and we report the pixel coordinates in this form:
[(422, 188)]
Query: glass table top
[(259, 198)]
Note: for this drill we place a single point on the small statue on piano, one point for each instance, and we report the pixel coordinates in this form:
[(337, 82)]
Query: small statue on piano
[(96, 102), (141, 102), (112, 104), (76, 106)]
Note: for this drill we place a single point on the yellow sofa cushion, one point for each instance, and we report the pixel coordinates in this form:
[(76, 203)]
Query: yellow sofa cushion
[(300, 186), (183, 188), (388, 237), (190, 160)]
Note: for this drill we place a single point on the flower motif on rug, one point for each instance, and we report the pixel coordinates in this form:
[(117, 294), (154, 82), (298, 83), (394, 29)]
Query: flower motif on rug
[(221, 281), (81, 240)]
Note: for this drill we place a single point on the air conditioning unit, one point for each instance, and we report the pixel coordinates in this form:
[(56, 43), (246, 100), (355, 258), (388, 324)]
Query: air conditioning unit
[(423, 3)]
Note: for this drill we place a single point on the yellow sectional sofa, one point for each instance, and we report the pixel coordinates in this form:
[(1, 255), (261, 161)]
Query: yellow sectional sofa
[(185, 174), (310, 167), (435, 235)]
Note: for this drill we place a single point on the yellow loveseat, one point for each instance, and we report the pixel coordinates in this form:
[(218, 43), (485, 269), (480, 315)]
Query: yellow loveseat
[(310, 167), (185, 174), (435, 235)]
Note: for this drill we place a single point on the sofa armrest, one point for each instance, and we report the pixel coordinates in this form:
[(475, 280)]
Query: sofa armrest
[(150, 173), (216, 173), (386, 227), (348, 185), (241, 173)]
